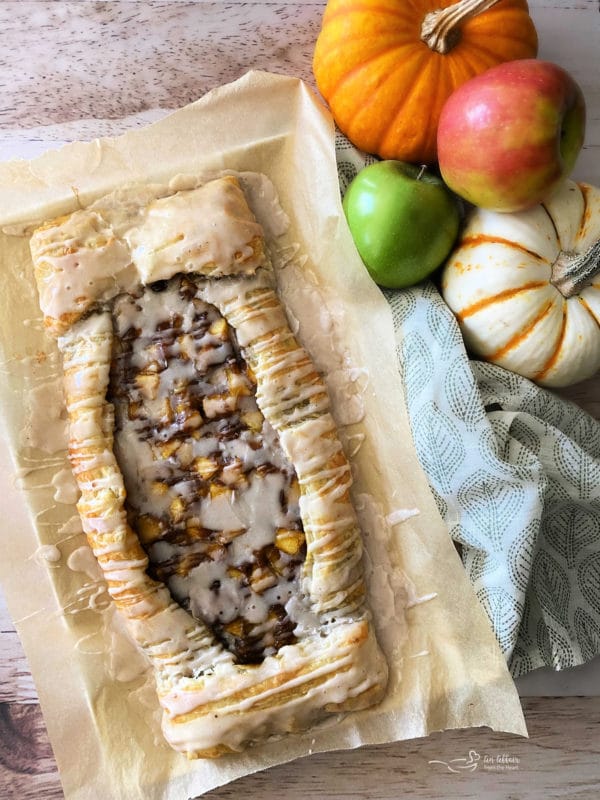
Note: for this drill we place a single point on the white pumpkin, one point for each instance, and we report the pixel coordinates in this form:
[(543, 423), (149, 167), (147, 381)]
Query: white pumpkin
[(525, 287)]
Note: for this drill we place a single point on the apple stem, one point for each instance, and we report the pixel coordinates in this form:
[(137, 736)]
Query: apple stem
[(440, 29), (572, 272), (421, 171)]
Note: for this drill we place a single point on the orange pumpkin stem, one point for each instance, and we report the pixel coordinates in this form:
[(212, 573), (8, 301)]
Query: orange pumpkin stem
[(441, 29), (571, 273)]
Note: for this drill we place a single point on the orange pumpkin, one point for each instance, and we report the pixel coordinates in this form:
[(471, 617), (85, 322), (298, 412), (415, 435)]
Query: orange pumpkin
[(386, 67)]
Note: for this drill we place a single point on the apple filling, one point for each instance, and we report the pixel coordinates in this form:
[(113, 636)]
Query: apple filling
[(209, 490)]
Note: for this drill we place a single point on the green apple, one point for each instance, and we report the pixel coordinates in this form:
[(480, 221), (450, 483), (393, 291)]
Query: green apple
[(403, 219)]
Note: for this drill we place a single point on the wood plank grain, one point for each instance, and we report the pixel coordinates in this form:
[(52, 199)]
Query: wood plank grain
[(561, 759), (546, 761), (70, 60), (63, 61), (16, 682), (107, 60), (27, 766)]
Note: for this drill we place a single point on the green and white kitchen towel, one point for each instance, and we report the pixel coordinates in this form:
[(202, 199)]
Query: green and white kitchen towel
[(515, 471)]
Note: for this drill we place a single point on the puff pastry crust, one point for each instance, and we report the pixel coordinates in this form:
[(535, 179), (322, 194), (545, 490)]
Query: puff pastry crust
[(215, 493)]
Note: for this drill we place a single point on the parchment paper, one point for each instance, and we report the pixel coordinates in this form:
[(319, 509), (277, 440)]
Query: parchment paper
[(446, 668)]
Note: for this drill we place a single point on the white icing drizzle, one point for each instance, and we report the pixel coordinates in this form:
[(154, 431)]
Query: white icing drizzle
[(170, 445), (401, 515), (92, 255), (126, 662), (63, 484), (72, 527), (77, 258), (90, 645), (48, 553), (293, 398), (352, 443), (91, 597), (212, 705), (152, 614), (65, 488), (390, 589), (261, 195), (46, 424), (36, 323), (82, 560), (178, 234), (417, 601)]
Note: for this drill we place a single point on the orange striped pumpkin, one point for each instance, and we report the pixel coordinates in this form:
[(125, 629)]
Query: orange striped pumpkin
[(386, 67), (525, 287)]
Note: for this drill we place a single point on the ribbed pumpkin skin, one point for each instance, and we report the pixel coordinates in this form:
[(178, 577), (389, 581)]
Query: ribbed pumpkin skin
[(386, 88), (497, 282)]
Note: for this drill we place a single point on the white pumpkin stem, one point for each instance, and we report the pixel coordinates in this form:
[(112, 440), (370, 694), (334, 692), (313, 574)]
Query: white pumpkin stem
[(441, 29), (571, 273)]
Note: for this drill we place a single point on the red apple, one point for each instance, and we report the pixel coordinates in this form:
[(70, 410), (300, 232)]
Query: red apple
[(508, 137)]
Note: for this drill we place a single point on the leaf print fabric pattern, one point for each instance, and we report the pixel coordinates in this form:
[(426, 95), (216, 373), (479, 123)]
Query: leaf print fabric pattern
[(588, 634), (438, 444), (515, 472), (520, 490)]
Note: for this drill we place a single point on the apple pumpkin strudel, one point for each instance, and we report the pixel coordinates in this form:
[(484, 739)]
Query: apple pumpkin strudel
[(214, 490)]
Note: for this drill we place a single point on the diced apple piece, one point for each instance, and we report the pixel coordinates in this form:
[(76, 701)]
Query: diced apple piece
[(289, 542)]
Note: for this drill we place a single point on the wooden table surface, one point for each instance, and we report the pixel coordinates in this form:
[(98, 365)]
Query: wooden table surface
[(64, 61)]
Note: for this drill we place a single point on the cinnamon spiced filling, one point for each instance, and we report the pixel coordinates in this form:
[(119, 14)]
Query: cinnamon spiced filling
[(210, 491)]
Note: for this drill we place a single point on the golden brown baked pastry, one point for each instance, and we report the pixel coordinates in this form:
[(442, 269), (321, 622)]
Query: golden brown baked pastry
[(214, 489)]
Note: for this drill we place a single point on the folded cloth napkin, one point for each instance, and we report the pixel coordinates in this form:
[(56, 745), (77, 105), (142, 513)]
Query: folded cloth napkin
[(515, 471)]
